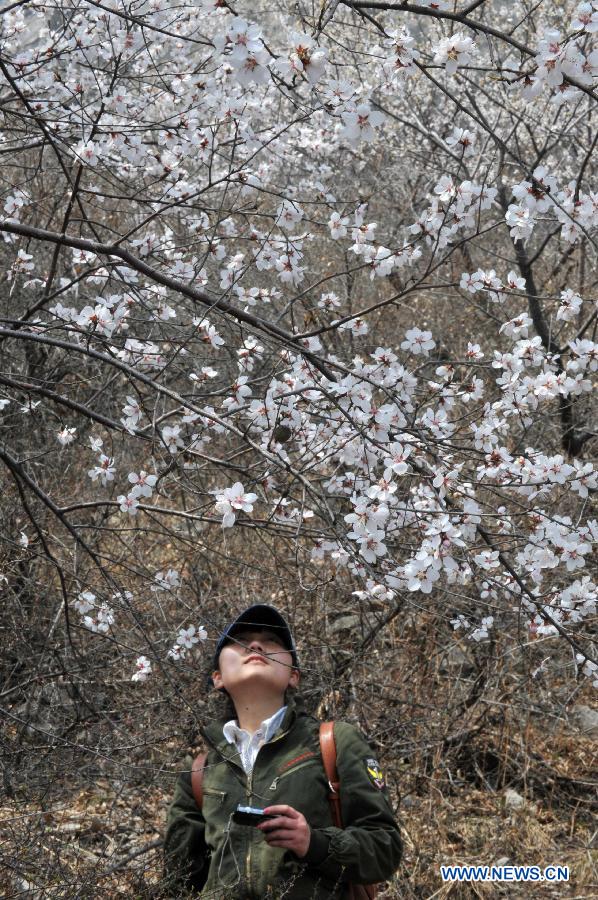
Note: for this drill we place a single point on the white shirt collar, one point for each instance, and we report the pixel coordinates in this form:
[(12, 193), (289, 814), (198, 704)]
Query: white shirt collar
[(248, 744), (232, 731)]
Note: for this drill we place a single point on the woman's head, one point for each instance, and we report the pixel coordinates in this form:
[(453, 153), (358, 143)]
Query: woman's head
[(255, 658), (256, 655)]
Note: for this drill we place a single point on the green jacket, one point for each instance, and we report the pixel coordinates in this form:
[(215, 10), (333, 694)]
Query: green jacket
[(205, 850)]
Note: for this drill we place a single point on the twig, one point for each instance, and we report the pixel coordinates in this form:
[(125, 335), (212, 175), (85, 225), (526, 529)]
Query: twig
[(153, 845)]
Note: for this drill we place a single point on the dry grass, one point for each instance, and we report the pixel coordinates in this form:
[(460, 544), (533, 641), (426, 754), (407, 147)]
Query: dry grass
[(91, 760), (84, 834)]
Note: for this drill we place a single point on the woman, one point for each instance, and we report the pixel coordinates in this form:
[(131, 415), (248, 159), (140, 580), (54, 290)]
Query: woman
[(269, 757)]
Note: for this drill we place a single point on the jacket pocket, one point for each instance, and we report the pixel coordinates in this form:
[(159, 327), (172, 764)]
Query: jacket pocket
[(216, 797), (308, 762)]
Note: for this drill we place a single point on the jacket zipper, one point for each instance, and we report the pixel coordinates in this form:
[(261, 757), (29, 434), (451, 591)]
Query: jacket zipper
[(248, 857), (248, 796), (308, 762), (249, 792)]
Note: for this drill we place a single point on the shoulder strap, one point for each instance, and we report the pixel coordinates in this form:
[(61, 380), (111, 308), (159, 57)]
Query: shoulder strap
[(199, 764), (328, 749)]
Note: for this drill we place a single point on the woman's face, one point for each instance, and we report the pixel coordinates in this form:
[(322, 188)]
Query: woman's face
[(255, 657)]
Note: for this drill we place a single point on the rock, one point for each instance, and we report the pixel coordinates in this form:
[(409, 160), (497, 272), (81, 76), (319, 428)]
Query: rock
[(345, 623), (513, 800), (456, 660), (585, 718)]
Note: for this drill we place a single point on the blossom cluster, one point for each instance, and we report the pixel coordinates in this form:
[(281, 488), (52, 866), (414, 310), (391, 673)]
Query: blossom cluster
[(561, 64), (288, 208), (576, 211), (186, 640), (97, 617)]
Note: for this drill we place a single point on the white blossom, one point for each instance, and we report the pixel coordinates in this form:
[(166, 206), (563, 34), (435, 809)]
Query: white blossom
[(230, 501), (338, 225), (305, 58), (84, 602), (66, 435), (454, 51), (143, 484), (481, 633), (359, 123), (585, 18), (88, 153), (288, 215), (143, 669), (128, 503), (570, 305), (166, 581), (104, 470), (417, 341), (520, 220)]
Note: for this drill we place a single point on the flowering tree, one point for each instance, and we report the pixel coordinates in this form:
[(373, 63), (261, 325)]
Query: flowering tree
[(321, 278)]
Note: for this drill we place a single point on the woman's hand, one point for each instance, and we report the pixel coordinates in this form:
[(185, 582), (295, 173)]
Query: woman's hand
[(289, 829)]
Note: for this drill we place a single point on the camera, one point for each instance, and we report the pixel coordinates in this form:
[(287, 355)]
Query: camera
[(250, 815)]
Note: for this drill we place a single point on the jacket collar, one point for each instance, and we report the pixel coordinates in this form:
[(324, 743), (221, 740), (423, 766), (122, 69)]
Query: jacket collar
[(215, 738)]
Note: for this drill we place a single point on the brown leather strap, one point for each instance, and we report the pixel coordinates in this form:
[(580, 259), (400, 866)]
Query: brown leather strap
[(328, 749), (199, 764)]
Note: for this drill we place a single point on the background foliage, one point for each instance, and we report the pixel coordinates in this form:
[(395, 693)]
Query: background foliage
[(299, 305)]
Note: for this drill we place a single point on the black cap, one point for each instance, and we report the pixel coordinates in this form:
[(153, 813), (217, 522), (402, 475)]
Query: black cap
[(260, 615)]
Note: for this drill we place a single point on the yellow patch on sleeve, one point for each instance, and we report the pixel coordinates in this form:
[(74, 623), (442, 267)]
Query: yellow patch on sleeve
[(375, 773)]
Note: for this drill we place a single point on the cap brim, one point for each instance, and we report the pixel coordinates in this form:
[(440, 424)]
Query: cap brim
[(260, 615)]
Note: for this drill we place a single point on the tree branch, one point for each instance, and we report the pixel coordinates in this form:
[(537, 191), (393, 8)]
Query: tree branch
[(134, 262), (463, 19)]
